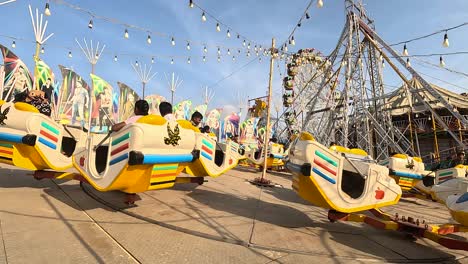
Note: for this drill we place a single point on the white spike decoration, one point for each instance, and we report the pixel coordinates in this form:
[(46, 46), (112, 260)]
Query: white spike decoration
[(209, 94), (144, 74), (91, 53), (39, 30), (174, 83), (7, 2)]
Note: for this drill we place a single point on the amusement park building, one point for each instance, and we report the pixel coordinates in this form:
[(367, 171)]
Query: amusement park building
[(430, 140)]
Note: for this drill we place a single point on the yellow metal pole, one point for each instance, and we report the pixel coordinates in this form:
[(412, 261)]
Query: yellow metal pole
[(270, 88), (436, 142)]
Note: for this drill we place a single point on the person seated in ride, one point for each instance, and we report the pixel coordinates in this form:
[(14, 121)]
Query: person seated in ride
[(165, 108), (141, 109), (205, 129), (460, 159), (36, 99), (196, 119)]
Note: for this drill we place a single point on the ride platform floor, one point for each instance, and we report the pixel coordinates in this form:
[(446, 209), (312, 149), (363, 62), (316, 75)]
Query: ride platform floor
[(226, 220)]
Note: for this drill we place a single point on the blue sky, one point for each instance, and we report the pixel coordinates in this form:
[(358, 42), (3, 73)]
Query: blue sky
[(258, 20)]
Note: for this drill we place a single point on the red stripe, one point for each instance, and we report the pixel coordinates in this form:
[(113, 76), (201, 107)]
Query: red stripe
[(162, 175), (321, 165), (119, 149), (6, 151), (49, 136), (207, 150)]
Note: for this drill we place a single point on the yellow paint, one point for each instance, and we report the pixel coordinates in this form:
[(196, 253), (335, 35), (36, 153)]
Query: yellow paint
[(306, 136), (308, 189), (26, 107), (460, 216), (354, 151), (187, 125), (152, 120)]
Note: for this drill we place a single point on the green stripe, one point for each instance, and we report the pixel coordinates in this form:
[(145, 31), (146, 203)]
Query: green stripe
[(6, 145), (406, 179), (446, 173), (168, 167), (321, 155), (49, 127), (204, 141), (120, 139)]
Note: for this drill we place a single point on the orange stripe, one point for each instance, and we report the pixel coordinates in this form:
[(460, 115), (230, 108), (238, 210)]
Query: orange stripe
[(6, 152), (207, 150), (162, 175), (324, 167), (49, 136)]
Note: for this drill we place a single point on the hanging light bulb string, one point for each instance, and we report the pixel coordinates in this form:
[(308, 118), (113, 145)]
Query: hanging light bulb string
[(127, 26), (229, 29), (299, 23), (445, 30), (442, 68), (232, 73)]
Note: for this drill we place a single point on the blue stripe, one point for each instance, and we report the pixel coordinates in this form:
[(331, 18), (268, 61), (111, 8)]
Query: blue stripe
[(408, 175), (47, 143), (11, 137), (161, 159), (319, 173), (119, 159), (204, 154), (277, 156)]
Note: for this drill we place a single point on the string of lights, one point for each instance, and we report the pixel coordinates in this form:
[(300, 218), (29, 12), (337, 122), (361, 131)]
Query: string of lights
[(149, 32), (229, 30), (152, 57), (444, 68), (306, 15), (232, 73), (432, 34)]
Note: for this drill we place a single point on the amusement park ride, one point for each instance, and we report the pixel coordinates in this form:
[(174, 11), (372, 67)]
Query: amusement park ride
[(343, 151)]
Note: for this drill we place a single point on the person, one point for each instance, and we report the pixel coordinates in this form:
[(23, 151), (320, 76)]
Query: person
[(141, 109), (106, 106), (48, 90), (165, 108), (460, 159), (79, 100), (205, 129), (36, 99), (196, 119)]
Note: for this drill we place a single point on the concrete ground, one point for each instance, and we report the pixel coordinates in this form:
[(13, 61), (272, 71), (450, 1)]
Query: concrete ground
[(226, 220)]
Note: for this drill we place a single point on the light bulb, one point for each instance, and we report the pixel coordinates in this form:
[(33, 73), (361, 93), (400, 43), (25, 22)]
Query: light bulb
[(136, 63), (285, 48), (191, 4), (383, 64), (217, 27), (152, 60), (172, 61), (188, 60), (13, 45), (204, 58), (307, 15), (320, 3), (70, 54), (441, 62), (47, 10), (248, 53), (219, 59), (188, 45), (203, 17), (228, 34), (429, 118), (219, 51), (126, 34), (148, 39), (293, 42), (96, 56), (243, 43), (299, 24), (172, 41), (446, 41), (233, 58), (115, 58), (42, 50), (260, 59), (408, 63), (381, 56), (205, 49), (90, 24), (255, 48), (229, 52), (238, 36), (248, 46), (256, 53), (238, 51), (405, 51)]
